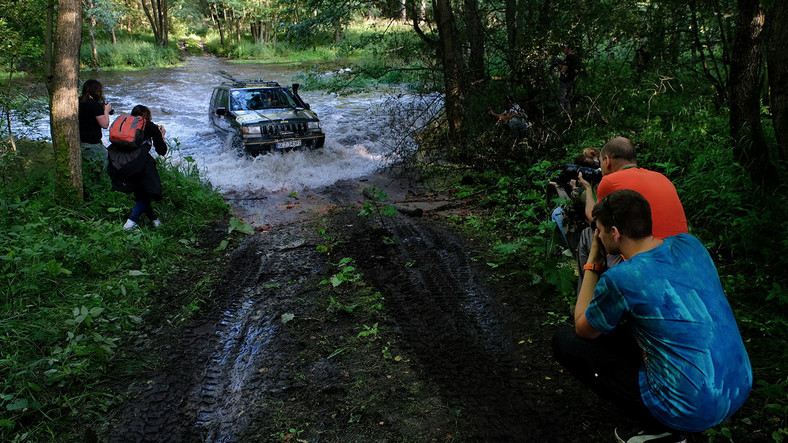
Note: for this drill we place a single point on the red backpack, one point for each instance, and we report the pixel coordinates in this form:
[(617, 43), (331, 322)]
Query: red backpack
[(127, 131)]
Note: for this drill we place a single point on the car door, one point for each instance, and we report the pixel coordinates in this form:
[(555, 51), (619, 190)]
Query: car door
[(219, 103)]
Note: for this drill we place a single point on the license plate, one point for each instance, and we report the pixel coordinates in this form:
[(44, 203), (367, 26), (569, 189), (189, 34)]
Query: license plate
[(288, 144)]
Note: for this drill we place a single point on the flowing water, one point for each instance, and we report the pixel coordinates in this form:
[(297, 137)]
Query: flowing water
[(361, 133)]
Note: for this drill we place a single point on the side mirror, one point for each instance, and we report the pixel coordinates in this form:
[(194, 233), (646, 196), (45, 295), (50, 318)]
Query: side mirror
[(221, 111)]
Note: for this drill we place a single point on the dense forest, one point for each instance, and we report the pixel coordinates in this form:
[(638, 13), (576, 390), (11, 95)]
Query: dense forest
[(701, 86)]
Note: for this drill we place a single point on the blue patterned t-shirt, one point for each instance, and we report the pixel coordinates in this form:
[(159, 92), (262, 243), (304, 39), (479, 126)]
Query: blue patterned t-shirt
[(696, 372)]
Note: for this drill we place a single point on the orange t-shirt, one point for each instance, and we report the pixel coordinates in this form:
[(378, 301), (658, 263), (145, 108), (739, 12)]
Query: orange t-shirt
[(667, 213)]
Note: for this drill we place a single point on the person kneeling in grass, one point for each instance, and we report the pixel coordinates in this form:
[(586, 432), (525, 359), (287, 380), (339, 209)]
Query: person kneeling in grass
[(655, 334)]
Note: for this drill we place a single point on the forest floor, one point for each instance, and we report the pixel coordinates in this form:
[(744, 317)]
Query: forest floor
[(418, 341)]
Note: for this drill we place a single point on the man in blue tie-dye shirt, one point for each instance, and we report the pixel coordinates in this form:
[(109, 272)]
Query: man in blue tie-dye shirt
[(654, 334)]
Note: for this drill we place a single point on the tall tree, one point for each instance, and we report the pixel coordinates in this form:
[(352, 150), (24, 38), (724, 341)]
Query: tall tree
[(157, 13), (475, 31), (453, 66), (777, 59), (65, 104), (745, 86)]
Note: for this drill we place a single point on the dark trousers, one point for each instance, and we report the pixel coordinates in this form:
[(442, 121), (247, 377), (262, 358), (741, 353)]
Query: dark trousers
[(608, 365), (143, 206)]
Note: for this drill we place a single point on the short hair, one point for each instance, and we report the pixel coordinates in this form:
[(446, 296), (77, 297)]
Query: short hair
[(142, 111), (92, 88), (628, 211), (620, 147)]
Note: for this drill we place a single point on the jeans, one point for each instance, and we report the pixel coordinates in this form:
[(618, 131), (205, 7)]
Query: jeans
[(143, 206)]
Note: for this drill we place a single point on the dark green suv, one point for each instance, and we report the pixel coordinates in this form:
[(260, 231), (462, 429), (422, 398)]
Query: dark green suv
[(262, 116)]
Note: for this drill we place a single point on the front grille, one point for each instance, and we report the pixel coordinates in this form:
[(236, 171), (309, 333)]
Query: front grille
[(285, 129)]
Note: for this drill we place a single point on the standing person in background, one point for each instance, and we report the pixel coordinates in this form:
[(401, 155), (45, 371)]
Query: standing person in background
[(93, 117), (569, 68), (134, 170)]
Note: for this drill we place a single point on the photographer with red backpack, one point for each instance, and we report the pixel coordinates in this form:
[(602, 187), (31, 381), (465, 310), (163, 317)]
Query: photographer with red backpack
[(131, 166)]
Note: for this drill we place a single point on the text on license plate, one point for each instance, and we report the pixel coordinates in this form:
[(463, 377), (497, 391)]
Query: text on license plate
[(288, 144)]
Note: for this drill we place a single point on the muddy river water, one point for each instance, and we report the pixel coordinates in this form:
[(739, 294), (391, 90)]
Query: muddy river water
[(360, 135)]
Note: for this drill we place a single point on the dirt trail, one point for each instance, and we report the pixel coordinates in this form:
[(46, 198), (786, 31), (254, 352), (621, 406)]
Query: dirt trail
[(457, 357)]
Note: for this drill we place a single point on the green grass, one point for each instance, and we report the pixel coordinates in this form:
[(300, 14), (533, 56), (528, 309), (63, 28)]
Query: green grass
[(75, 287), (129, 53)]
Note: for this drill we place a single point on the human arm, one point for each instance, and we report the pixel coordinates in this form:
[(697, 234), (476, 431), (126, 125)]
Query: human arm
[(596, 257), (103, 119), (590, 198), (156, 133)]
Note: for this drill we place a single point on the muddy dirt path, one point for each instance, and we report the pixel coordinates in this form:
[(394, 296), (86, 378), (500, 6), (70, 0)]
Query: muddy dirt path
[(452, 355)]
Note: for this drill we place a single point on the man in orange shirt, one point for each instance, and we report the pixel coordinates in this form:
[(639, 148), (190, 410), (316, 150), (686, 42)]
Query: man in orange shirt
[(620, 171)]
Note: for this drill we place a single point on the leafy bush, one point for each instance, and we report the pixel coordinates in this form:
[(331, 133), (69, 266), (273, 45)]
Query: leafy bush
[(74, 285)]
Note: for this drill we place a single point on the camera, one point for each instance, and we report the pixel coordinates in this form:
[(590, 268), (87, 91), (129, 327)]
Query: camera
[(111, 111), (571, 172)]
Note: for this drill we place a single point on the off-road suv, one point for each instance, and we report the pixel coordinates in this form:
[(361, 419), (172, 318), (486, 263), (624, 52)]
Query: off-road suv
[(262, 115)]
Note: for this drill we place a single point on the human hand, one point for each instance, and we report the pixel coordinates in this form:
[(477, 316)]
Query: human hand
[(583, 181), (107, 108), (161, 128), (597, 254)]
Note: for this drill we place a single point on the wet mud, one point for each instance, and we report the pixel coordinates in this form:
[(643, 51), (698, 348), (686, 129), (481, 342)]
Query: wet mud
[(455, 355)]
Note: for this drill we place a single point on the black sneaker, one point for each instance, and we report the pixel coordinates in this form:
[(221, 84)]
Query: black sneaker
[(643, 435)]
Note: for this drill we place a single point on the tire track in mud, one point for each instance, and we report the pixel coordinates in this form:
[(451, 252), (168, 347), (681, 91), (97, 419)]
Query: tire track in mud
[(229, 372), (456, 327), (221, 369)]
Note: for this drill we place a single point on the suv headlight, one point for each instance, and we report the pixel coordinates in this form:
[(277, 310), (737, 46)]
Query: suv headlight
[(251, 131), (313, 126)]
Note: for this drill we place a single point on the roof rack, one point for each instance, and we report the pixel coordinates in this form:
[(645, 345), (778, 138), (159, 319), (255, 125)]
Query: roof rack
[(245, 83)]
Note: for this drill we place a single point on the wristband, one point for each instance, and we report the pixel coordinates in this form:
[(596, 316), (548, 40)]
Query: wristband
[(592, 267)]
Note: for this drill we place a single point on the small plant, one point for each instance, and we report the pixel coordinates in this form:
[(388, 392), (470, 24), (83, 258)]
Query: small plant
[(376, 205), (369, 331), (347, 273)]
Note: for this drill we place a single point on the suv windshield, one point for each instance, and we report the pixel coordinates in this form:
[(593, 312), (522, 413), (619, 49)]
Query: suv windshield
[(260, 98)]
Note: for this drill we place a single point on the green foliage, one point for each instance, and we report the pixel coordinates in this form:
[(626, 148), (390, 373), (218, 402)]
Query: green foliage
[(74, 286), (376, 205), (347, 273), (129, 53)]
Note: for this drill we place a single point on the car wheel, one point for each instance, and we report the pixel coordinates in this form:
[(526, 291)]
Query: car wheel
[(236, 144)]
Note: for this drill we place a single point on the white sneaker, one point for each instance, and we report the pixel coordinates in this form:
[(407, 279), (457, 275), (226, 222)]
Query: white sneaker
[(156, 223), (129, 225)]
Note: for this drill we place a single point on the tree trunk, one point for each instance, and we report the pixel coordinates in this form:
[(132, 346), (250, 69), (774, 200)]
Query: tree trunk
[(745, 83), (777, 62), (476, 40), (65, 104), (92, 33), (511, 29), (452, 65), (218, 21), (156, 12), (50, 29)]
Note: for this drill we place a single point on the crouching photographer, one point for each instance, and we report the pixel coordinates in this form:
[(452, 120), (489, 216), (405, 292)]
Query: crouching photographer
[(570, 216)]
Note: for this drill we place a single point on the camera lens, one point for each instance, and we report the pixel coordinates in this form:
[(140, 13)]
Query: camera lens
[(111, 112)]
